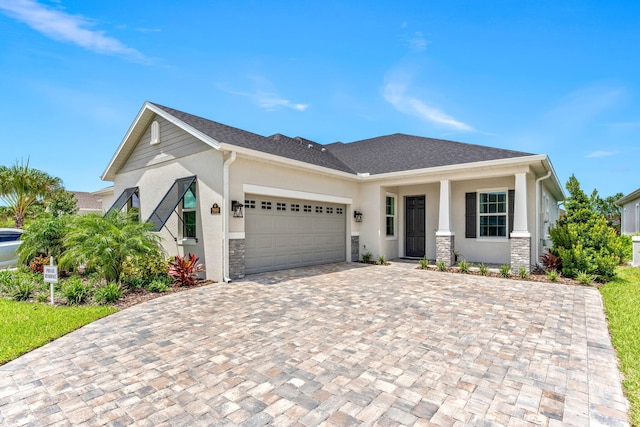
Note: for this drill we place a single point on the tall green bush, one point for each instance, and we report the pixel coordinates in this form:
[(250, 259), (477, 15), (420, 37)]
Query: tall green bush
[(583, 239)]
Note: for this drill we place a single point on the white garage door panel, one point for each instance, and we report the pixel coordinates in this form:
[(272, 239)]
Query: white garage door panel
[(286, 236)]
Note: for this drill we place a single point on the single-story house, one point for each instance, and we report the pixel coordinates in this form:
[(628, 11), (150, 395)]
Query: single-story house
[(630, 213), (630, 221), (246, 203), (87, 202)]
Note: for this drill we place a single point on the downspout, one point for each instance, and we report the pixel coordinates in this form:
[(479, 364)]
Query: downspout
[(538, 218), (225, 216)]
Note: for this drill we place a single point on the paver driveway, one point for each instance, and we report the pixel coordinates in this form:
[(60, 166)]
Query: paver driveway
[(340, 344)]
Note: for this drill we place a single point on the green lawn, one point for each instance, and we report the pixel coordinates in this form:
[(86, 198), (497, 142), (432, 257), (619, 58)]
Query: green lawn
[(622, 303), (25, 326)]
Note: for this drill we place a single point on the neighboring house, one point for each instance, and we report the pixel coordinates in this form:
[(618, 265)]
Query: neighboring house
[(630, 222), (245, 203), (630, 213), (87, 202), (105, 197)]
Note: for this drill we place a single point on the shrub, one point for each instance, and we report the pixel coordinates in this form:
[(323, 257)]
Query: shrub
[(108, 294), (551, 261), (158, 286), (441, 266), (146, 267), (382, 260), (505, 270), (37, 264), (20, 288), (583, 240), (523, 273), (464, 266), (44, 237), (423, 263), (483, 269), (553, 275), (76, 291), (366, 257), (184, 270), (106, 242), (585, 278)]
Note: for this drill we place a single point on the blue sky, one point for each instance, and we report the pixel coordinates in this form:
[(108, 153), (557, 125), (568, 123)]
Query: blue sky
[(555, 77)]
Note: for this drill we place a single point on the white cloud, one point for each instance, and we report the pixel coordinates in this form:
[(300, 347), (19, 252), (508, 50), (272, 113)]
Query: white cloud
[(62, 26), (418, 42), (598, 154), (264, 95), (395, 94)]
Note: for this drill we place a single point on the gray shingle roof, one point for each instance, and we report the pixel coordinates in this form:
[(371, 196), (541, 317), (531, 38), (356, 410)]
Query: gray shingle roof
[(384, 154), (399, 152)]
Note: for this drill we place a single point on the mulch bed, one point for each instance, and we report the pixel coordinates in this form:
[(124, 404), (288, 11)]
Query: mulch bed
[(138, 296), (532, 277)]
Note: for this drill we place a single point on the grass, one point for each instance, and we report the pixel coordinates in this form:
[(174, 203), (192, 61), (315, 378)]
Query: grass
[(25, 326), (621, 298)]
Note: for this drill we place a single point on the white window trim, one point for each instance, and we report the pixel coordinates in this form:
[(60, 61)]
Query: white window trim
[(493, 239), (188, 240), (395, 216)]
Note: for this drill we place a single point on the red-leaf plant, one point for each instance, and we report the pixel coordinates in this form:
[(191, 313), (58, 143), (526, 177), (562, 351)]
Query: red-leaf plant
[(184, 270), (551, 261)]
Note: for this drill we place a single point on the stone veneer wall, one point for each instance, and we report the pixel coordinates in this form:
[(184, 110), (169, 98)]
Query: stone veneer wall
[(236, 258), (520, 254), (355, 248), (445, 250)]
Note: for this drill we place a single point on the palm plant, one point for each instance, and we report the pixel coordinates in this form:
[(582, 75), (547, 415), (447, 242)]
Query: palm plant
[(21, 186), (106, 242), (44, 236)]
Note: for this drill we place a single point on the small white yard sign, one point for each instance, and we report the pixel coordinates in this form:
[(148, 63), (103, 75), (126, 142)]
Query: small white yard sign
[(51, 274)]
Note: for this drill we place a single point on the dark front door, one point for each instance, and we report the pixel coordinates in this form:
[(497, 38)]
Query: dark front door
[(415, 213)]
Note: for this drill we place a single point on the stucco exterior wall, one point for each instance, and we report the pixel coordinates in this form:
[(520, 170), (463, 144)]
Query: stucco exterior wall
[(629, 216), (154, 181)]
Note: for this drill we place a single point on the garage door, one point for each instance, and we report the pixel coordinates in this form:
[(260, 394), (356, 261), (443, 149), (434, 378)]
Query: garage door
[(287, 233)]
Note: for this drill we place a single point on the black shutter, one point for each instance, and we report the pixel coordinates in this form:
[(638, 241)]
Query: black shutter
[(511, 203), (122, 200), (170, 202), (470, 216)]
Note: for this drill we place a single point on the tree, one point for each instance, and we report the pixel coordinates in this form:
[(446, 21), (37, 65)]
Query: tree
[(21, 186), (62, 202), (106, 242), (607, 207), (583, 239)]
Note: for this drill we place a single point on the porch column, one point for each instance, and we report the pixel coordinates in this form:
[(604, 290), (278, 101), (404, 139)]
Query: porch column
[(520, 236), (444, 236)]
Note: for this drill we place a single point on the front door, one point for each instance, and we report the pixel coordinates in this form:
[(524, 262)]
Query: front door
[(415, 227)]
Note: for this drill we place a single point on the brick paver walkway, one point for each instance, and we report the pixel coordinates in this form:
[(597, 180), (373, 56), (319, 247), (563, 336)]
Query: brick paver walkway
[(343, 344)]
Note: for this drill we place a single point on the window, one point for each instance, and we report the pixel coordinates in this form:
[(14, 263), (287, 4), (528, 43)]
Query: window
[(266, 205), (281, 206), (637, 218), (250, 204), (128, 198), (339, 211), (492, 211), (390, 214), (307, 208), (189, 213), (329, 210), (318, 209), (295, 208)]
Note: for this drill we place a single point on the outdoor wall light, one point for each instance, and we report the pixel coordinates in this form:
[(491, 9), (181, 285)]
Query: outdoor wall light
[(236, 207), (215, 209), (358, 216)]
